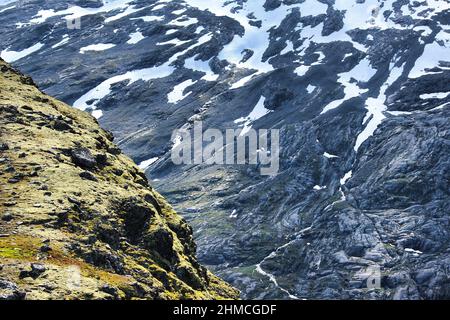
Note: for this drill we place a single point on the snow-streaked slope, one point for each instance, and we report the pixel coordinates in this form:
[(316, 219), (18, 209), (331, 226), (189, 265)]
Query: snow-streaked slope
[(258, 112), (104, 88), (338, 76)]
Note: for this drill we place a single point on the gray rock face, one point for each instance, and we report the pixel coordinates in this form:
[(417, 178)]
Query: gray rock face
[(359, 90), (10, 291), (82, 157)]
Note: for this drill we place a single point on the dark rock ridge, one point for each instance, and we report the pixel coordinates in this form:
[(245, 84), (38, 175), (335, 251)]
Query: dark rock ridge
[(359, 89)]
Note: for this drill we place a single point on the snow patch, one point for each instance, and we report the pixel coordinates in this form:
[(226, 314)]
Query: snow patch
[(301, 71), (258, 112), (431, 57), (414, 252), (242, 82), (147, 163), (310, 89), (362, 72), (64, 40), (135, 37), (6, 9), (176, 42), (177, 94), (437, 95), (97, 114), (346, 177), (234, 214), (149, 18), (97, 47), (376, 107), (126, 12), (329, 156), (11, 56), (104, 88)]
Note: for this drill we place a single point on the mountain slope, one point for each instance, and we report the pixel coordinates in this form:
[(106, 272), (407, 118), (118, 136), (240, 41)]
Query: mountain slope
[(78, 219), (358, 88)]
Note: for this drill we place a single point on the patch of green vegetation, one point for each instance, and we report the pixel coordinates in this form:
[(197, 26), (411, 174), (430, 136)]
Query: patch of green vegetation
[(341, 205), (247, 270), (10, 253), (16, 248)]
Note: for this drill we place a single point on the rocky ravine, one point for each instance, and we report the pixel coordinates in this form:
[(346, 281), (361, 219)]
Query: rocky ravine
[(360, 91), (77, 217)]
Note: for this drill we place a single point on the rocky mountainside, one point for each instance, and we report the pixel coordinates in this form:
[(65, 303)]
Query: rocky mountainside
[(77, 217), (358, 88)]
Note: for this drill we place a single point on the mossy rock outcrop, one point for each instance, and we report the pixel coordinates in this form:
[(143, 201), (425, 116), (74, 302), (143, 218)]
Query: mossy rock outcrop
[(78, 219)]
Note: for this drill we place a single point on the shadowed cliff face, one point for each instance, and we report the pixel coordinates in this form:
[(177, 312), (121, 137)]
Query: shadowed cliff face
[(77, 217), (359, 90)]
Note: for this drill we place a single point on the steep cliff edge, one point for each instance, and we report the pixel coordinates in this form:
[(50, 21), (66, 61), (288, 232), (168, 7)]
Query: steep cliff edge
[(77, 217)]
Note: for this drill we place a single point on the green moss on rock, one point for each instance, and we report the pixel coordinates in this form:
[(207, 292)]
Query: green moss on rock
[(85, 211)]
